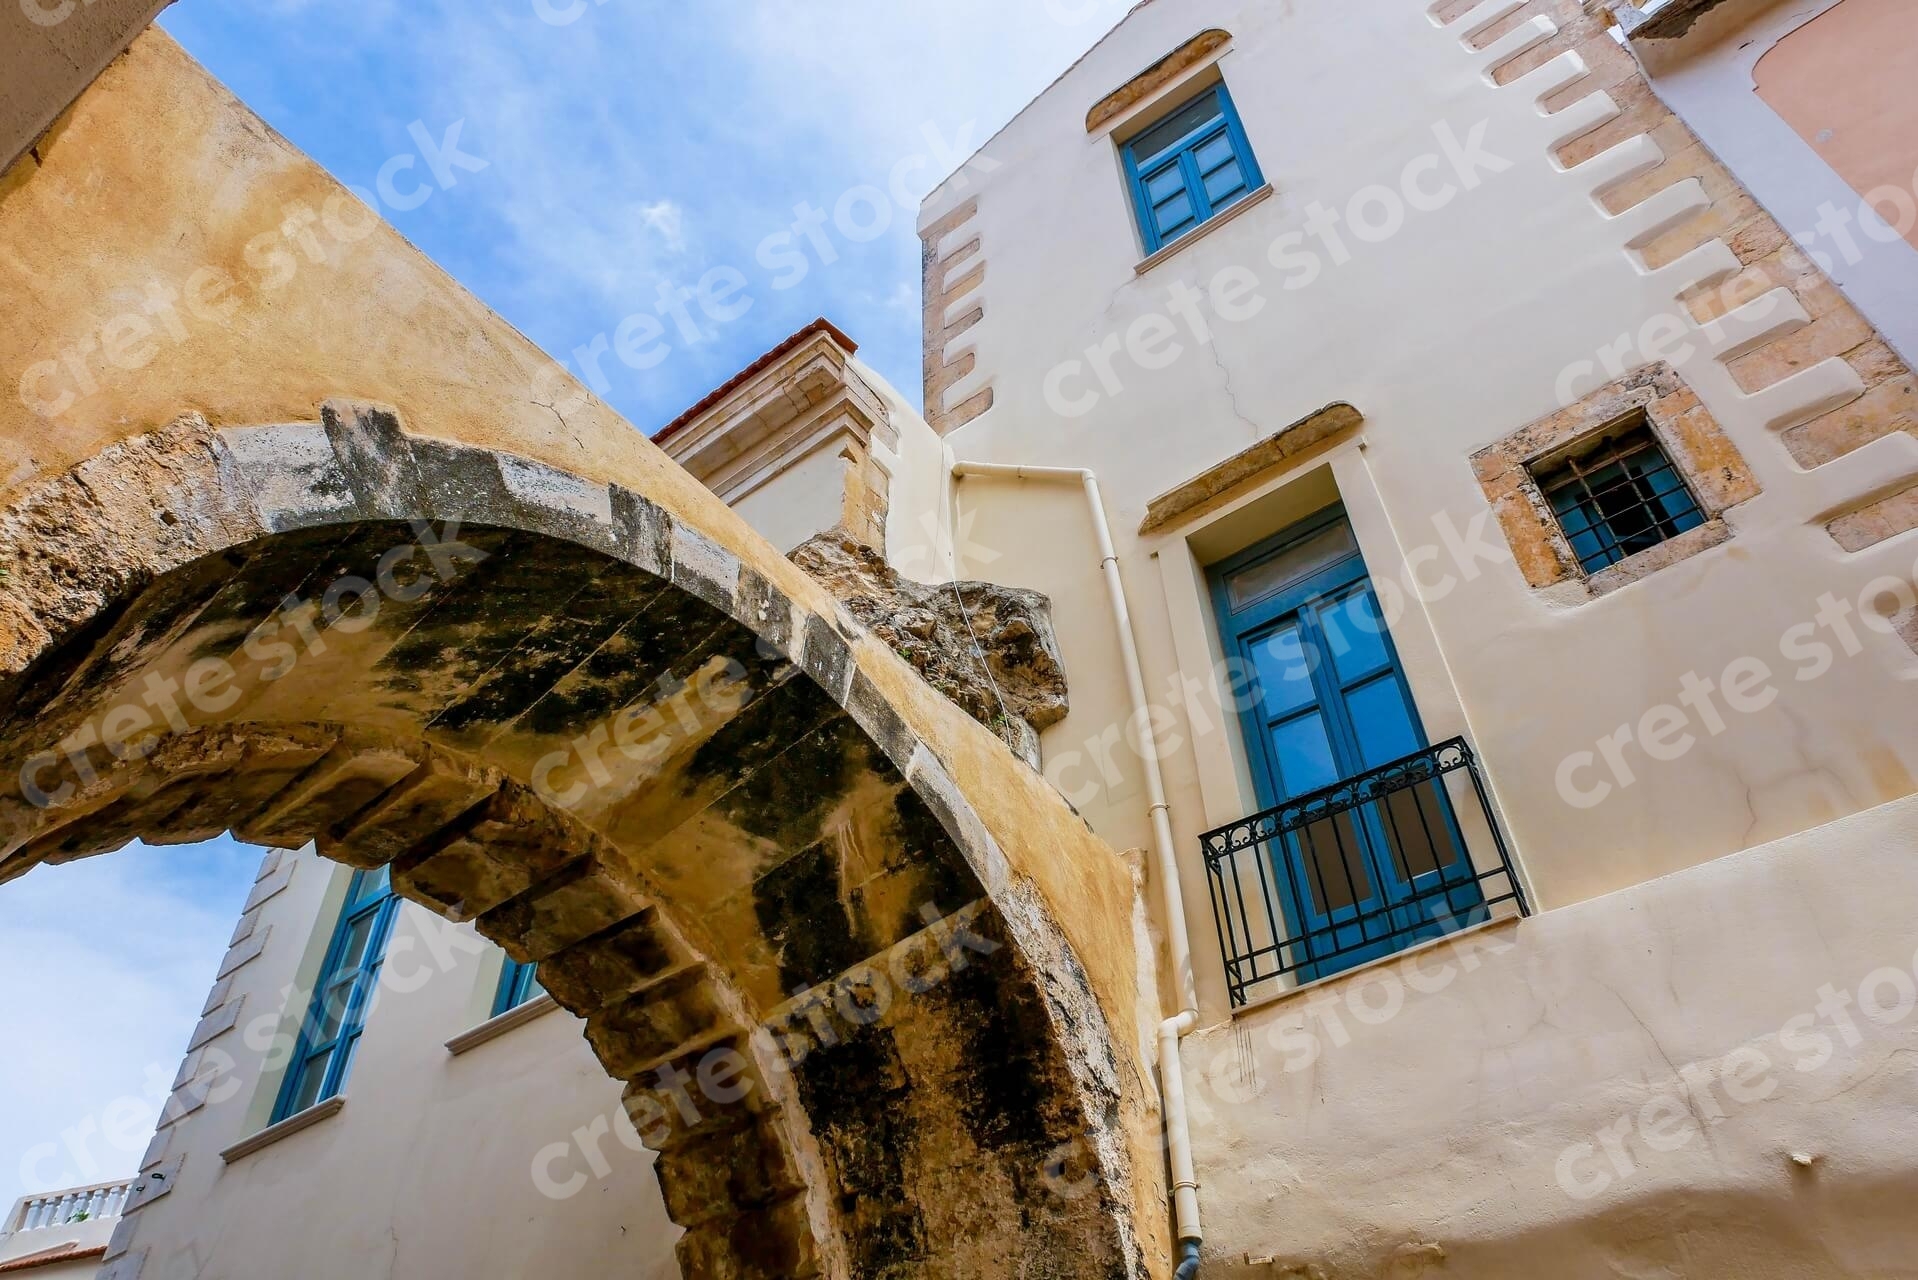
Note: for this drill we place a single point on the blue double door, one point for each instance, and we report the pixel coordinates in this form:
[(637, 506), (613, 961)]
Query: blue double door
[(1325, 701)]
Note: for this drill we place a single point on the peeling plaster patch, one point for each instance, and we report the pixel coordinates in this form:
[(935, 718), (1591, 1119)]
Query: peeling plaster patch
[(1667, 22)]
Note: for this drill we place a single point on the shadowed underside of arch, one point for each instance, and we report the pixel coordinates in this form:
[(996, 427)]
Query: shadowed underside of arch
[(559, 712)]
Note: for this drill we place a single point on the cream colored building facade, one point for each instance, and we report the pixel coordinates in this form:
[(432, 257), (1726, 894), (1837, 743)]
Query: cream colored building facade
[(1648, 1005), (1485, 238), (462, 1142)]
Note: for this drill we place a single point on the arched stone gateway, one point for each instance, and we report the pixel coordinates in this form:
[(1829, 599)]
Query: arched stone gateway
[(729, 826)]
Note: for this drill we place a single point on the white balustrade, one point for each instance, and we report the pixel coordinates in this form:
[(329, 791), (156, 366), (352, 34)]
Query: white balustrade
[(61, 1208)]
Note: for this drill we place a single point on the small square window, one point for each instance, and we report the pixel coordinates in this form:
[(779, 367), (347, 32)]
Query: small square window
[(1190, 167), (1618, 496)]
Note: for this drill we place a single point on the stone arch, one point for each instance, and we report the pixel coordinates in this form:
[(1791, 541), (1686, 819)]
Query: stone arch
[(561, 712)]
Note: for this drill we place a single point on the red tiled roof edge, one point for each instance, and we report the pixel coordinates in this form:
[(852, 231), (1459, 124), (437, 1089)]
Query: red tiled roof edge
[(732, 384), (33, 1261)]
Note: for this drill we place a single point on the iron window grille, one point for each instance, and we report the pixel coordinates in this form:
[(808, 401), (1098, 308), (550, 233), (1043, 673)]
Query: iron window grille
[(1190, 167), (1403, 811), (1620, 497)]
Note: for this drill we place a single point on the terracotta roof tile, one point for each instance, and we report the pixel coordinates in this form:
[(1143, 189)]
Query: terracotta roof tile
[(732, 384), (47, 1257)]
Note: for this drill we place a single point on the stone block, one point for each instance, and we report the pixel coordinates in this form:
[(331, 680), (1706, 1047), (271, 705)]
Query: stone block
[(636, 1033), (411, 814), (594, 973), (348, 779), (718, 1175), (573, 905)]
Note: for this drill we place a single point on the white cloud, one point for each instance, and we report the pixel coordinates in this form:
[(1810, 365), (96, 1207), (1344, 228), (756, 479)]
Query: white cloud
[(636, 147), (669, 220), (880, 71), (642, 145)]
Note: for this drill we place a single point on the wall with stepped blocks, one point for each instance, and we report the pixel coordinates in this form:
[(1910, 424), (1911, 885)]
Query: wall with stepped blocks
[(1480, 218), (1486, 236)]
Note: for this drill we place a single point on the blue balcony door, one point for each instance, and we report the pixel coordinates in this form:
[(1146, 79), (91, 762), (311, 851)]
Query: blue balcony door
[(1325, 700)]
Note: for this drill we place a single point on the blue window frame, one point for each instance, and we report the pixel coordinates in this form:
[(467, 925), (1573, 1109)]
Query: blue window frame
[(1190, 167), (518, 983), (1328, 701), (330, 1034)]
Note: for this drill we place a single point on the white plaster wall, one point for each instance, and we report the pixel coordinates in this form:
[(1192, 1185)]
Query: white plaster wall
[(1457, 1113), (1707, 78), (1448, 335), (428, 1171), (919, 531), (805, 498)]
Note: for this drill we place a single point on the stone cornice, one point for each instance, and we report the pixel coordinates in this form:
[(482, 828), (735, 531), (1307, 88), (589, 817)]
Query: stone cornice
[(805, 398)]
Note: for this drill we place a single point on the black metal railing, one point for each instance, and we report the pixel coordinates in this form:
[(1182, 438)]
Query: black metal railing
[(1358, 870)]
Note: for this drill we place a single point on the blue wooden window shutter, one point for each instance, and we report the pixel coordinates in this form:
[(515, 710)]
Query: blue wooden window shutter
[(1190, 167)]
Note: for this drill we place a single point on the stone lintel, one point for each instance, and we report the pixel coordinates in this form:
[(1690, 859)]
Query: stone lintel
[(1165, 71), (1288, 443)]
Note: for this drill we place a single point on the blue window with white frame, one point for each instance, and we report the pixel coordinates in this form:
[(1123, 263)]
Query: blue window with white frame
[(330, 1034), (518, 983), (1190, 167)]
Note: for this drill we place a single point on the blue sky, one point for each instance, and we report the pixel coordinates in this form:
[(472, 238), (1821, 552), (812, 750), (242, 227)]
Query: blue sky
[(117, 953), (628, 145), (631, 144)]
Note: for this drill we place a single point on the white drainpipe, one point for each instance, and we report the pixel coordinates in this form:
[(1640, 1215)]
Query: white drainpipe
[(1185, 1185)]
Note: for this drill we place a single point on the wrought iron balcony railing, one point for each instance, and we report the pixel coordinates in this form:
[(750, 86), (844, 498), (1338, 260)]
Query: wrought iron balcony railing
[(1362, 869)]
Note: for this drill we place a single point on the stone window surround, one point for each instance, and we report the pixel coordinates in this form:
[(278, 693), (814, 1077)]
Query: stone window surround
[(1176, 68), (1697, 445), (1151, 96)]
